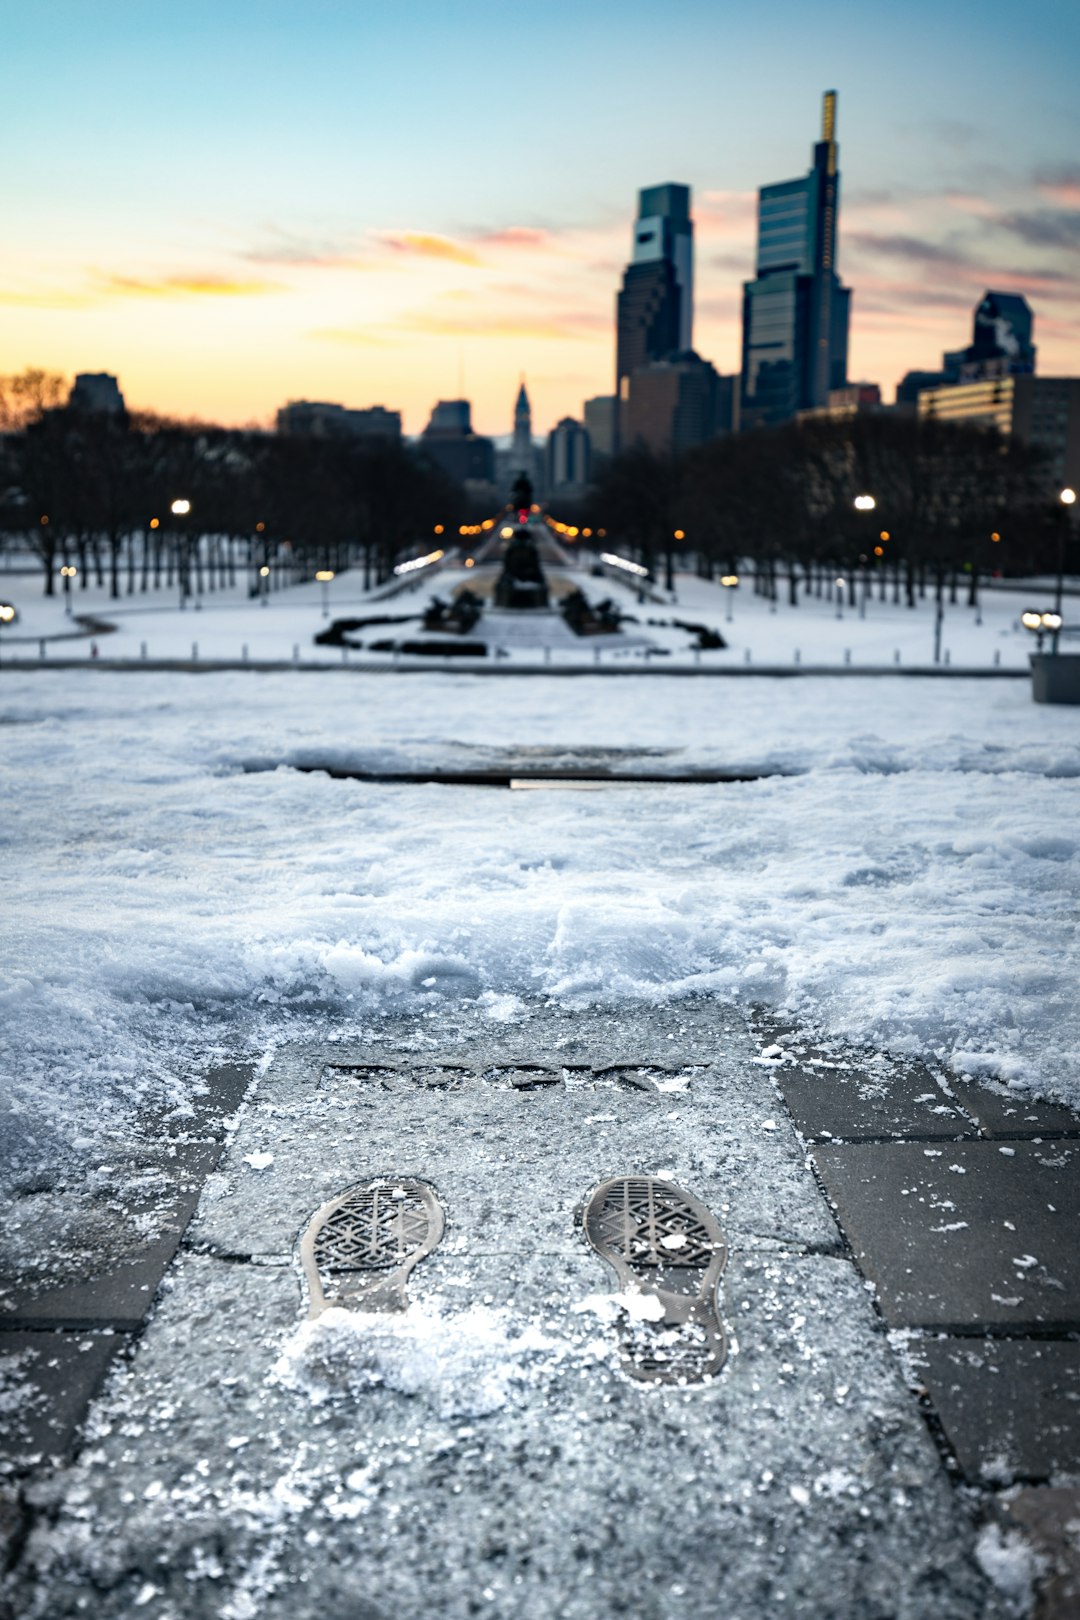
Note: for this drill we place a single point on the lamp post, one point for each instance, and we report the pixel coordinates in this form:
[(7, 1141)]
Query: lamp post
[(1068, 501), (67, 574), (864, 503), (730, 582), (841, 586), (1041, 623), (324, 576), (182, 508)]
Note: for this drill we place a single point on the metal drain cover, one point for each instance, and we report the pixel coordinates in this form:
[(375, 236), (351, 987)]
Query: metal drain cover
[(663, 1242), (360, 1247)]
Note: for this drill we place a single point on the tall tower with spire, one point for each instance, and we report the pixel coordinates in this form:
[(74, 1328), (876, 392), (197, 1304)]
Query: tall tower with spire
[(522, 454), (796, 311)]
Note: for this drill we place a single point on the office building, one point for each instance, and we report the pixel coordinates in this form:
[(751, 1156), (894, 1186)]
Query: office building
[(310, 419), (1001, 346), (98, 392), (449, 441), (568, 459), (599, 414), (796, 313), (655, 308), (1041, 411), (676, 403), (854, 399)]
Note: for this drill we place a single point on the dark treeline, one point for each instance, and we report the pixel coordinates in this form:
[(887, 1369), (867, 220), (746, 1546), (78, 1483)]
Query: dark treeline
[(953, 503), (95, 491)]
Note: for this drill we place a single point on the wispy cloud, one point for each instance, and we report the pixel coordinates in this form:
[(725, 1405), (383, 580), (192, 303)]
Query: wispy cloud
[(914, 249), (307, 253), (181, 286), (1061, 185), (419, 244), (1045, 227), (475, 325), (514, 236)]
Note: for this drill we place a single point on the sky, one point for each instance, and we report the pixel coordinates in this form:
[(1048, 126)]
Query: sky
[(234, 204)]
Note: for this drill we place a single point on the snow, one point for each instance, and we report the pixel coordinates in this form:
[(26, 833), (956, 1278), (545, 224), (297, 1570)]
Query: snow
[(229, 620), (915, 886), (1007, 1559), (461, 1363)]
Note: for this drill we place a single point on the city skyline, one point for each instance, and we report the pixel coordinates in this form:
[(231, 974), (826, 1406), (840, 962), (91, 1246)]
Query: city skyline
[(229, 213)]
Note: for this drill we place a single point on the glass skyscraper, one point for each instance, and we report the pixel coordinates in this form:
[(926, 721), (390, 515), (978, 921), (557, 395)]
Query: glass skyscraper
[(795, 312), (655, 308)]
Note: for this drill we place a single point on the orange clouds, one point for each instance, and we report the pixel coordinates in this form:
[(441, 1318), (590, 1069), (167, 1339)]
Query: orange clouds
[(182, 286), (104, 286), (423, 246)]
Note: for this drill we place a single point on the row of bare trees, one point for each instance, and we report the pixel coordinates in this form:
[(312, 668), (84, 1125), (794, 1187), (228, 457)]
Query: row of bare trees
[(951, 503), (98, 490)]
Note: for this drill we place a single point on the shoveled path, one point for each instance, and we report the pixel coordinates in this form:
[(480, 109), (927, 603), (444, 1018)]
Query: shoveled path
[(486, 1455)]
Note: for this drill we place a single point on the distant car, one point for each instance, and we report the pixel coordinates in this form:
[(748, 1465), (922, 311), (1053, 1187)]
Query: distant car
[(9, 613)]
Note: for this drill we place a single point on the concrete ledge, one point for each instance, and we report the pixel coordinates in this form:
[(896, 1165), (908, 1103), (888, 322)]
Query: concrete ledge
[(462, 666)]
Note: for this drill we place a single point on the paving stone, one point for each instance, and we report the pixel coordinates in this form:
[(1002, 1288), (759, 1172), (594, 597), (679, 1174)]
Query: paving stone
[(116, 1285), (1010, 1407), (964, 1234), (801, 1481), (1004, 1113), (1050, 1517), (47, 1381), (511, 1165), (858, 1105)]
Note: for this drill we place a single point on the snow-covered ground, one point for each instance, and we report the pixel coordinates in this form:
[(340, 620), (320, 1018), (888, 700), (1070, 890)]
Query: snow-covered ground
[(916, 885), (229, 621)]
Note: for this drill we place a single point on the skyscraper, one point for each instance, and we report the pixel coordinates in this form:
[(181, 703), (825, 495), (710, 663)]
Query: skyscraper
[(655, 309), (795, 312)]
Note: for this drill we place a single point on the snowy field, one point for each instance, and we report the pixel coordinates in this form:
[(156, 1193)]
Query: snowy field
[(229, 621), (915, 886)]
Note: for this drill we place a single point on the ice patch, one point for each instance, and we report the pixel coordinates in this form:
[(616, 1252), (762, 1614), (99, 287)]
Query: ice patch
[(461, 1364)]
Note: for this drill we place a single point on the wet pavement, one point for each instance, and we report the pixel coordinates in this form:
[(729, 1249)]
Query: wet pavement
[(895, 1420)]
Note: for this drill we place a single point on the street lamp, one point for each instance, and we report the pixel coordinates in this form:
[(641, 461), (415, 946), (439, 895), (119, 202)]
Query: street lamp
[(730, 582), (1068, 501), (1041, 623), (67, 574), (864, 503), (324, 576), (182, 508), (841, 586)]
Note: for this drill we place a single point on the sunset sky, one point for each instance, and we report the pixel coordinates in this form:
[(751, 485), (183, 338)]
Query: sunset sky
[(230, 205)]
